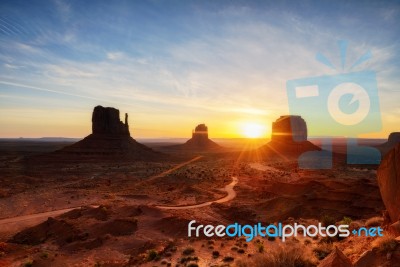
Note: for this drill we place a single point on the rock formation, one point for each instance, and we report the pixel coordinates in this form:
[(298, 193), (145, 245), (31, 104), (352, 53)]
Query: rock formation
[(199, 140), (336, 259), (199, 136), (106, 121), (289, 128), (200, 132), (288, 138), (394, 138), (110, 140), (389, 182)]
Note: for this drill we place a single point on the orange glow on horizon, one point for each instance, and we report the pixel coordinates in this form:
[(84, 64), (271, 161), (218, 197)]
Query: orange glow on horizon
[(253, 130)]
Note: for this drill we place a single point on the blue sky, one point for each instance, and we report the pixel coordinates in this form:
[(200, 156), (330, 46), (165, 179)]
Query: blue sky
[(174, 64)]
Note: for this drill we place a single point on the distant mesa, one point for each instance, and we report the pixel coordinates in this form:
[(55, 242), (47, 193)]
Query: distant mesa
[(199, 140), (393, 139), (289, 128), (289, 137), (106, 121), (200, 137), (110, 139)]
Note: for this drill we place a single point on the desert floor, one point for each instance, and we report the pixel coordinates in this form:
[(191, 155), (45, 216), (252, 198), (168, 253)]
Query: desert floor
[(136, 213)]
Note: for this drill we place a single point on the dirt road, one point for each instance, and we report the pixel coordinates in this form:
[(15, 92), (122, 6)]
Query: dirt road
[(229, 189)]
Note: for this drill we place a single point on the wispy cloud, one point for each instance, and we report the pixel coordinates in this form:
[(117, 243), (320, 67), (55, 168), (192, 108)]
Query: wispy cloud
[(115, 55), (63, 9)]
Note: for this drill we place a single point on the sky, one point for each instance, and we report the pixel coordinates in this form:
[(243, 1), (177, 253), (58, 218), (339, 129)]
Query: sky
[(174, 64)]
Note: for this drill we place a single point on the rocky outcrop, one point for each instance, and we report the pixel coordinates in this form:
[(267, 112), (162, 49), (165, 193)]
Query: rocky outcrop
[(336, 259), (200, 136), (394, 228), (200, 132), (288, 138), (393, 139), (106, 121), (199, 140), (110, 140), (389, 182), (289, 128)]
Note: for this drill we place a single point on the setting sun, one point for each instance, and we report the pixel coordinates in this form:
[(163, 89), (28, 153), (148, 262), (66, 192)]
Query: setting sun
[(253, 130)]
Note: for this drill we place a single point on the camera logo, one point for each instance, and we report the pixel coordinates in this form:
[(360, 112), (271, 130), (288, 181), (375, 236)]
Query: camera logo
[(341, 105), (358, 93)]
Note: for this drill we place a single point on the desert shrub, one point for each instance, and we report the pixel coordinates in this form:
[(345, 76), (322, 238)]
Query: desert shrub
[(374, 221), (322, 250), (385, 243), (260, 247), (327, 220), (188, 251), (284, 255), (192, 264), (346, 220), (215, 254), (238, 244), (228, 259), (188, 259), (29, 263), (44, 255), (152, 255), (241, 251)]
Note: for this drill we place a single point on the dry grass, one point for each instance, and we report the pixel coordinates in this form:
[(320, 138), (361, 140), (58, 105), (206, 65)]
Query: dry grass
[(374, 221), (346, 220), (353, 247), (283, 255), (327, 220), (385, 243), (322, 250)]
